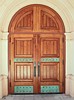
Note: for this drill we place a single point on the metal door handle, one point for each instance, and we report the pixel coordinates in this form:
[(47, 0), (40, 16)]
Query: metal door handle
[(38, 68), (35, 69)]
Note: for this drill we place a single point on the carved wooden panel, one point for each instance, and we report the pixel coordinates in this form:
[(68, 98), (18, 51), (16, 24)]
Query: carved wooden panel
[(49, 72), (50, 47), (25, 21), (36, 60), (23, 72), (34, 18), (48, 21), (23, 47)]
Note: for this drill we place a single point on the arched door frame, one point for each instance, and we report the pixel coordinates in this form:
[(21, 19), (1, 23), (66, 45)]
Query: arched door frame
[(16, 25), (52, 15)]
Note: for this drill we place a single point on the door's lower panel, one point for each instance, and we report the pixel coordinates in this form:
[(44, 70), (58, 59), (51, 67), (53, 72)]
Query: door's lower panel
[(50, 89), (23, 89)]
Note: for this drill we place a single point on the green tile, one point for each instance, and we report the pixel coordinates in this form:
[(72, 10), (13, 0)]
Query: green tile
[(23, 89), (49, 89), (23, 59), (50, 59)]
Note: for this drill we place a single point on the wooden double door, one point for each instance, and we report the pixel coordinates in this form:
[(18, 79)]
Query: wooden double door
[(36, 63)]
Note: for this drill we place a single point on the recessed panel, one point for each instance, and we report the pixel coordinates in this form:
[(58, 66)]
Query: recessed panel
[(50, 47), (23, 47), (48, 22), (49, 72), (24, 72)]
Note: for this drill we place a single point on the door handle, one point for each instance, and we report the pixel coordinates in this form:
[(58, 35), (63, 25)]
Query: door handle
[(38, 69), (35, 69)]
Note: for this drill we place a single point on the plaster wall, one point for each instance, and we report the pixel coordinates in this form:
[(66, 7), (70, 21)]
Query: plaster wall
[(0, 55), (69, 78), (3, 65), (0, 87)]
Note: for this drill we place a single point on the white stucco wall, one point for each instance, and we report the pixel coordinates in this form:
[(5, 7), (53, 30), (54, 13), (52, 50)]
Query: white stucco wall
[(0, 57), (69, 78), (70, 53), (65, 8), (4, 53)]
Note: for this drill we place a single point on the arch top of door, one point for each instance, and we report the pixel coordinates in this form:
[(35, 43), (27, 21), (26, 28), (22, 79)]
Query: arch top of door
[(36, 18)]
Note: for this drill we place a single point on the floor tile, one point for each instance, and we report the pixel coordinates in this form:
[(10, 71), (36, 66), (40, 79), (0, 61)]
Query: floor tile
[(38, 97)]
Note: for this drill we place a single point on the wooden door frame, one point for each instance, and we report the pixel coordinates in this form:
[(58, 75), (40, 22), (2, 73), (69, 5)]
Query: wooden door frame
[(12, 31)]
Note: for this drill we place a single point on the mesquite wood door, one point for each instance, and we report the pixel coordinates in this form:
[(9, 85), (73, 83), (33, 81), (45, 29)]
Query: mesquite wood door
[(36, 51), (36, 63), (50, 63), (22, 49)]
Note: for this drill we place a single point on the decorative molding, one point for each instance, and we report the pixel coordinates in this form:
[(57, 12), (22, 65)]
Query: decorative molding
[(4, 36), (2, 76)]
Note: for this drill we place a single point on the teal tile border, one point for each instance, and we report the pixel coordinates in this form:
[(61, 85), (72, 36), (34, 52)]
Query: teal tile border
[(23, 89), (50, 89), (50, 59), (23, 59)]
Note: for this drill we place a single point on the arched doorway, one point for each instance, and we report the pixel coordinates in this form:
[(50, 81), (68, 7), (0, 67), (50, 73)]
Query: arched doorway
[(36, 51)]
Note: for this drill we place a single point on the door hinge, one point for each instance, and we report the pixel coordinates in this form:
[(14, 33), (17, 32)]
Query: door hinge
[(10, 84), (63, 61), (63, 39), (63, 84), (10, 62), (10, 39)]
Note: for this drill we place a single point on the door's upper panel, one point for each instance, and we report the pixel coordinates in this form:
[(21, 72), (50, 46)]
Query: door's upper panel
[(36, 18)]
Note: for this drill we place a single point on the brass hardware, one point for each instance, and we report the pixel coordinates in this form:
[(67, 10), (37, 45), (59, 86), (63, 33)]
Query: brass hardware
[(38, 68), (35, 69)]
